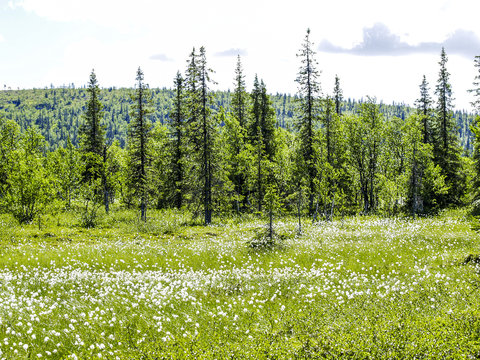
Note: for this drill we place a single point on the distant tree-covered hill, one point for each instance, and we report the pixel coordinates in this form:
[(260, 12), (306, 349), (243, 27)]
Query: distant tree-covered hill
[(58, 111)]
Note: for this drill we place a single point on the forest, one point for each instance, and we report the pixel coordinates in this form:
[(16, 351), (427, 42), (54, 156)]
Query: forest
[(315, 155), (182, 222)]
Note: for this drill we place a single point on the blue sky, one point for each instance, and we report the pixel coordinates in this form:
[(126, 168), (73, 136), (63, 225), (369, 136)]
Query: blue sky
[(378, 48)]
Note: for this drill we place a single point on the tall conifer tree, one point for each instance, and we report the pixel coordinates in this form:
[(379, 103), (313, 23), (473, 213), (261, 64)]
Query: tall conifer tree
[(308, 112), (475, 127), (261, 132), (240, 97), (92, 134), (240, 115), (338, 96), (138, 141), (444, 114), (476, 84), (177, 132), (201, 125), (446, 142), (424, 110)]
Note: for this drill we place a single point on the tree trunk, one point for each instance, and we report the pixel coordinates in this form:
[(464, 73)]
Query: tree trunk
[(106, 201), (299, 206), (330, 217), (414, 185), (270, 228), (259, 180), (143, 209)]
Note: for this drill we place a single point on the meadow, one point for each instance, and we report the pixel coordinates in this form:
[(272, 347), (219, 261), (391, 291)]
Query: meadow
[(359, 288)]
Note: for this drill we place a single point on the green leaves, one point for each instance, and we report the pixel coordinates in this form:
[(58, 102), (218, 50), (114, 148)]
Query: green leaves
[(29, 188)]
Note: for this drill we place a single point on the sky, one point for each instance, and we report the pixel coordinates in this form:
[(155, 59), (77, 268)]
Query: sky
[(378, 48)]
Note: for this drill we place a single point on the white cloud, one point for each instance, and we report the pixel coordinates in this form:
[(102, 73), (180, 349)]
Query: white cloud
[(2, 39), (379, 40), (270, 34)]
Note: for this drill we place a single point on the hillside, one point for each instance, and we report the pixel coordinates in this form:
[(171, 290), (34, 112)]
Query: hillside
[(58, 111)]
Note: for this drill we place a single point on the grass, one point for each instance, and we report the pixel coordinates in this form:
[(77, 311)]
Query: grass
[(361, 288)]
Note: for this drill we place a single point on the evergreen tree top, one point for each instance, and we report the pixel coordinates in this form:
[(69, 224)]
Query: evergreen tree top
[(476, 83), (307, 77)]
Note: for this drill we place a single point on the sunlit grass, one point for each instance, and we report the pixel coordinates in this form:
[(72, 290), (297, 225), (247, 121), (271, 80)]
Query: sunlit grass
[(362, 287)]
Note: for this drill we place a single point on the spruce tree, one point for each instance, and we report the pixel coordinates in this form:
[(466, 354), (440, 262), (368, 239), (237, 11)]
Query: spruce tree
[(338, 96), (446, 142), (476, 84), (240, 97), (424, 110), (327, 120), (267, 122), (92, 134), (444, 111), (238, 125), (308, 112), (177, 132), (261, 131), (201, 126), (138, 142), (207, 133), (255, 111), (475, 127)]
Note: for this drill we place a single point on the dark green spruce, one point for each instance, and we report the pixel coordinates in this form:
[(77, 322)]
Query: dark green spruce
[(425, 111), (138, 142), (308, 113), (446, 142), (177, 133), (201, 126), (239, 112), (92, 134)]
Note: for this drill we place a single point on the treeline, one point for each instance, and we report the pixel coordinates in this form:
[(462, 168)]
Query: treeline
[(224, 153), (57, 112)]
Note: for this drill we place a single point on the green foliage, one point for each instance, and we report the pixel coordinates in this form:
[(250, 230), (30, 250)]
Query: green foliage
[(177, 146), (92, 134), (202, 130), (237, 153), (65, 168), (91, 199), (139, 148), (446, 143), (238, 159), (9, 141), (352, 157), (160, 183), (309, 114), (261, 140), (475, 129), (58, 112), (365, 139), (28, 190)]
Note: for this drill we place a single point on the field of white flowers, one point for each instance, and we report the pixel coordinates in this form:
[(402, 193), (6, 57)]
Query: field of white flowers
[(354, 288)]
